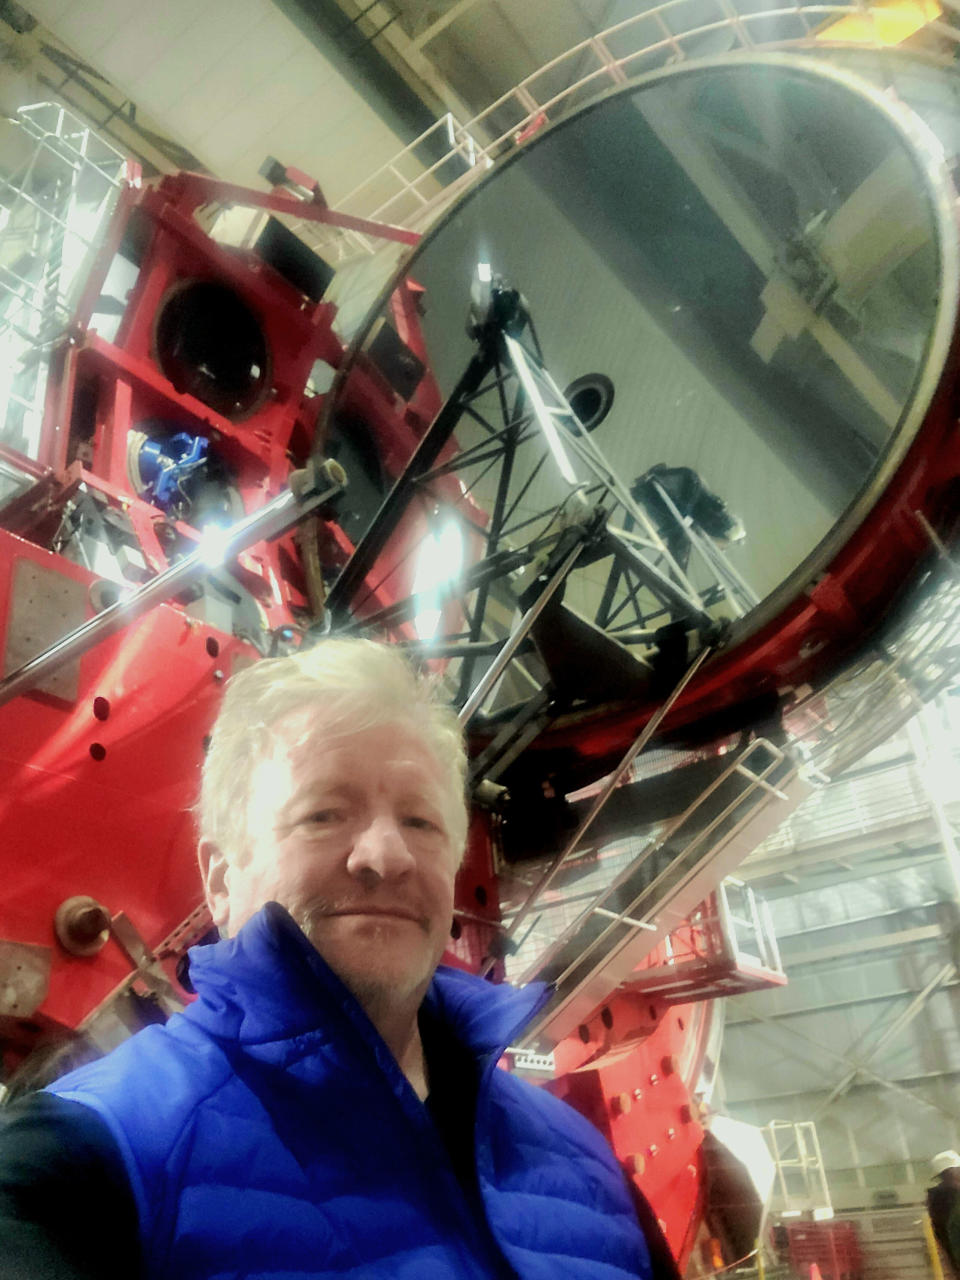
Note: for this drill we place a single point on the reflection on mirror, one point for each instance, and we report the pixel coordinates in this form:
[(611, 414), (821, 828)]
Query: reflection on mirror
[(733, 272)]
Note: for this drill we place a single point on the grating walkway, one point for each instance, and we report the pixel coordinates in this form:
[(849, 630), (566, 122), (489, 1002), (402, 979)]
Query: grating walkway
[(892, 1243)]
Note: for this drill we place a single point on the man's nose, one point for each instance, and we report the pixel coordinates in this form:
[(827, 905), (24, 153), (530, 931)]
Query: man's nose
[(380, 848)]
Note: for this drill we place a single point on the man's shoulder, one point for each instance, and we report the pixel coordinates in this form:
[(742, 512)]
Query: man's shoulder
[(66, 1205), (41, 1131), (548, 1153), (943, 1196), (169, 1061), (146, 1091), (47, 1141)]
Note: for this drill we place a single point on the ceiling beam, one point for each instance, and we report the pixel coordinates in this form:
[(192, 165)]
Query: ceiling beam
[(804, 929), (801, 1011), (846, 845), (869, 869), (857, 1068), (444, 21), (858, 946), (900, 1023)]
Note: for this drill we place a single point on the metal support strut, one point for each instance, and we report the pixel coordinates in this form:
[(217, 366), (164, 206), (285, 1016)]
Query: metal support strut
[(604, 795), (517, 636), (309, 489)]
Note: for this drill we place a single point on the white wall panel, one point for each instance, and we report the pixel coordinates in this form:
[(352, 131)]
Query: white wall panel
[(85, 28), (135, 43), (824, 918), (232, 80), (294, 91), (215, 31)]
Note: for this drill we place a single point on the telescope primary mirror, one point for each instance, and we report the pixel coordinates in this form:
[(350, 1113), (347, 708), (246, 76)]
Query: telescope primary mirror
[(743, 275)]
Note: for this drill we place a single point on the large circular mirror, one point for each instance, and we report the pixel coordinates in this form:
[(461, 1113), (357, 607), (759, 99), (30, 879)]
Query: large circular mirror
[(745, 273)]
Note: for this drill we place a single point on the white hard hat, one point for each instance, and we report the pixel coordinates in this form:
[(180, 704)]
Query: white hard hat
[(944, 1160)]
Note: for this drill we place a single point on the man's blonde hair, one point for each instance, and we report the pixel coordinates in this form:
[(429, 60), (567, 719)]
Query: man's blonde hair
[(354, 685)]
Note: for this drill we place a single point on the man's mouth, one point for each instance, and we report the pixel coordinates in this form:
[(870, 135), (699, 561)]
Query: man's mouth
[(388, 913), (328, 908)]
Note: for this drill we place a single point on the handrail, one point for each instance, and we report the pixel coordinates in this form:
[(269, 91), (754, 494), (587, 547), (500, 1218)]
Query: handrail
[(611, 69)]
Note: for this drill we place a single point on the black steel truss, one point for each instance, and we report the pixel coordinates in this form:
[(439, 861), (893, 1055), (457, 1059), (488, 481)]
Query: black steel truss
[(517, 430)]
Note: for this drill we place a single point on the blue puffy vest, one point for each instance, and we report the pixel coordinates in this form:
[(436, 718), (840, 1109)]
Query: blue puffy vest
[(268, 1132)]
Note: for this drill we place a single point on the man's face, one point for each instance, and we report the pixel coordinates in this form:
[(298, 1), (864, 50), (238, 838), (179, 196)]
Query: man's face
[(352, 835)]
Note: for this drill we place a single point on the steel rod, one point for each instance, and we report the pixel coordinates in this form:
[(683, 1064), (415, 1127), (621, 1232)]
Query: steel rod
[(610, 784), (268, 522), (516, 638), (493, 539), (691, 845), (426, 453)]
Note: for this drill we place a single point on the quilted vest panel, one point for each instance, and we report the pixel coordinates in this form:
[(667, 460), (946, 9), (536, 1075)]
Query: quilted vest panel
[(268, 1132)]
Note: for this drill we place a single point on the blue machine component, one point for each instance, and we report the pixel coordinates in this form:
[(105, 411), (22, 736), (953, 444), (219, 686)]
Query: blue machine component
[(166, 464)]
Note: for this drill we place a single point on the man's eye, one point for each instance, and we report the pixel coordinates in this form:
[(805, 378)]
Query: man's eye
[(323, 817), (419, 823)]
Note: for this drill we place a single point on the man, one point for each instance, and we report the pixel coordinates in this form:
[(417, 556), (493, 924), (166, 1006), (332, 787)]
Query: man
[(331, 1104), (943, 1205)]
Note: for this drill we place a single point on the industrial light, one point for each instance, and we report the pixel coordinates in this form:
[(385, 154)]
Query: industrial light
[(887, 22)]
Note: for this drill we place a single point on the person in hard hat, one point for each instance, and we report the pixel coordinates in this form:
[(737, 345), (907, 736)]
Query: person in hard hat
[(330, 1105), (943, 1205)]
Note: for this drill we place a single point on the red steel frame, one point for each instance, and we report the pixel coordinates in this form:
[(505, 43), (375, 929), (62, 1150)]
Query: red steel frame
[(115, 822)]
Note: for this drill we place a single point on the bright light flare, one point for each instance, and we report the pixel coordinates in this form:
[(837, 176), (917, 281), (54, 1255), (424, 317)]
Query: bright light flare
[(214, 544), (439, 564)]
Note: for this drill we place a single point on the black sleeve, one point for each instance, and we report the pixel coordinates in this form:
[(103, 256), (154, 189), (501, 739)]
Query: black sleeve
[(67, 1211), (662, 1261), (951, 1243)]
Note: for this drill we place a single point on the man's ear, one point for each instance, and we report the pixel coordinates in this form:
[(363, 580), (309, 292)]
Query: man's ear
[(214, 865)]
